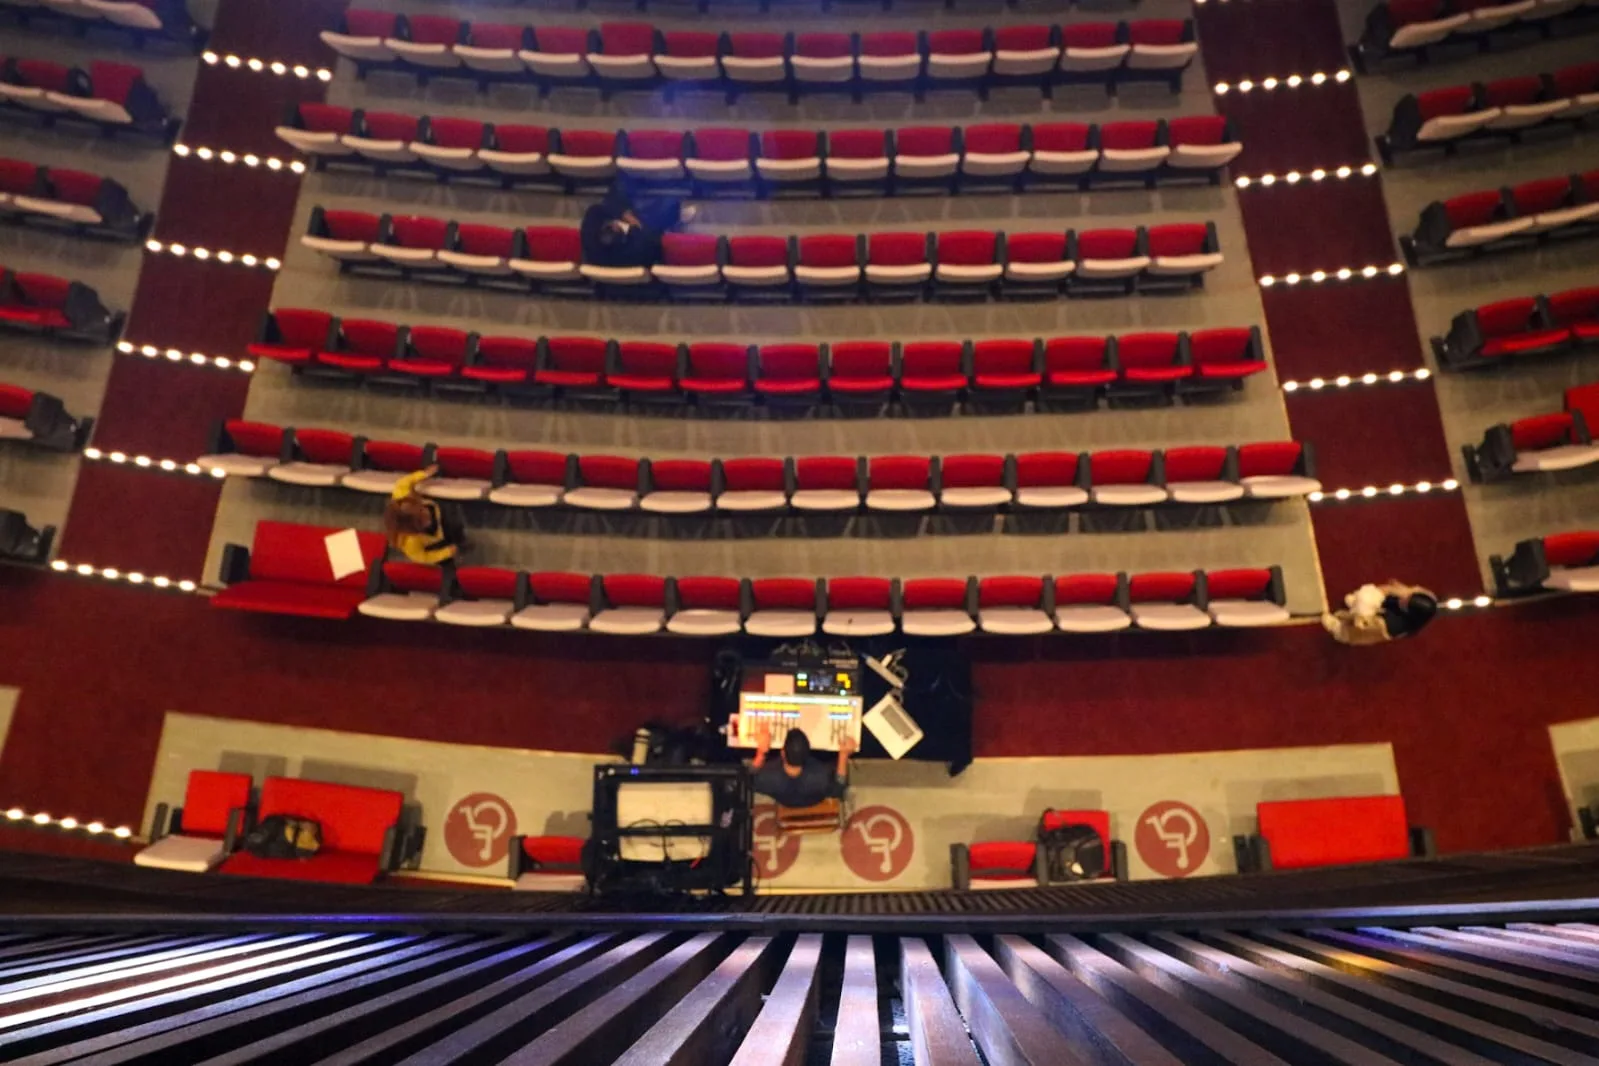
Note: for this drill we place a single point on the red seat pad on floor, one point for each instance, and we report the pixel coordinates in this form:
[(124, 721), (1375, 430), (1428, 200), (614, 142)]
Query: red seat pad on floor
[(337, 866), (281, 597), (1328, 832)]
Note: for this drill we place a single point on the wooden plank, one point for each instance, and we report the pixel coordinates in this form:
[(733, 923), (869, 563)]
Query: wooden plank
[(88, 968), (1192, 1035), (1453, 1026), (548, 968), (1570, 934), (782, 1030), (39, 956), (1293, 1036), (494, 1035), (1006, 1027), (600, 1030), (1097, 1031), (1567, 966), (1509, 1017), (707, 1024), (938, 1036), (857, 1032), (1296, 993)]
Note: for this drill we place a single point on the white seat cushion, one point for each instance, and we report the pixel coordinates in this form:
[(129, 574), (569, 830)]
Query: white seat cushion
[(1051, 496), (1417, 34), (438, 56), (970, 273), (828, 276), (550, 882), (1562, 457), (675, 502), (455, 488), (314, 474), (365, 49), (764, 68), (905, 274), (650, 169), (193, 855), (1185, 264), (629, 621), (756, 500), (14, 429), (949, 65), (401, 606), (995, 164), (555, 64), (489, 60), (375, 481), (622, 67), (1113, 268), (721, 169), (475, 264), (134, 16), (1162, 56), (1077, 162), (515, 162), (1204, 491), (583, 166), (858, 169), (1169, 616), (1472, 236), (237, 465), (1028, 61), (546, 269), (1449, 127), (825, 500), (780, 624), (603, 275), (858, 623), (1547, 220), (890, 68), (1244, 613), (926, 166), (381, 151), (526, 495), (1091, 618), (687, 68), (474, 612), (830, 69), (352, 250), (596, 498), (1203, 156), (762, 276), (313, 143), (394, 253), (936, 622), (704, 622), (975, 496), (1275, 486), (552, 617), (808, 169), (1133, 159), (1128, 495), (706, 274), (899, 500), (1015, 621), (1107, 58), (1574, 578)]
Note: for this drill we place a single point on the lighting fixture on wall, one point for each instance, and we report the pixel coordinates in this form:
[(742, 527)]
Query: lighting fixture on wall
[(232, 158), (132, 577), (207, 255), (261, 66), (1292, 81), (1372, 492), (1345, 381), (18, 817), (172, 355), (1317, 277), (1294, 177)]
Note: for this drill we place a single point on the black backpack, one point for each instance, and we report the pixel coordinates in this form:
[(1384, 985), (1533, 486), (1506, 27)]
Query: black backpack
[(1072, 852), (282, 836)]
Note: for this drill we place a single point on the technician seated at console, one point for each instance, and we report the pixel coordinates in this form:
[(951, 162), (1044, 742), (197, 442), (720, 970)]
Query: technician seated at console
[(796, 779)]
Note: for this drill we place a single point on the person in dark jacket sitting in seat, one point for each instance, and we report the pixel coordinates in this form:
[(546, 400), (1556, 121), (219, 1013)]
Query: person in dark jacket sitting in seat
[(616, 232)]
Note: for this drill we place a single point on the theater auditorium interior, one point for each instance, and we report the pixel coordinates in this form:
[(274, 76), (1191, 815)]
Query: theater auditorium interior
[(1030, 410)]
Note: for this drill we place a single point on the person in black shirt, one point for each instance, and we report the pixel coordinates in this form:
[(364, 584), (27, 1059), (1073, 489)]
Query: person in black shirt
[(616, 232), (795, 779), (1376, 614)]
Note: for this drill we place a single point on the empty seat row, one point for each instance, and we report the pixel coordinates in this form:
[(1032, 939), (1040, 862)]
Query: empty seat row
[(1443, 118), (633, 53), (1521, 328), (1558, 441), (1064, 371), (40, 418), (1560, 562), (113, 96), (75, 199), (1125, 477), (1001, 864), (1416, 29), (163, 20), (289, 570), (1497, 220), (971, 264), (710, 160), (57, 306)]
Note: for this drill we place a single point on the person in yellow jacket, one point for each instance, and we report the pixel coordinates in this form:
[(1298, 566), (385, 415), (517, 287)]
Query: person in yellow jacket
[(417, 527)]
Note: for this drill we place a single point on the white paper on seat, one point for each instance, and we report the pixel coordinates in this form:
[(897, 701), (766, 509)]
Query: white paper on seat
[(344, 553)]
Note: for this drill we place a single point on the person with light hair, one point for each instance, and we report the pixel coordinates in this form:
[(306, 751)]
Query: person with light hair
[(1377, 614)]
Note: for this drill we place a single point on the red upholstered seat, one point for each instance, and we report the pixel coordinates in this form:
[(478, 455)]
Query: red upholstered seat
[(1004, 364), (1078, 362), (1330, 832), (860, 367), (716, 369), (788, 370), (211, 796), (290, 573), (932, 367), (563, 853), (1098, 821), (503, 361), (646, 367), (1003, 860), (573, 362), (329, 866)]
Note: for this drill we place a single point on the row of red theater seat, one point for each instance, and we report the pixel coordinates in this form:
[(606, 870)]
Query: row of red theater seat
[(1443, 118), (1561, 440), (970, 264), (143, 20), (1121, 477), (1067, 371), (1417, 30), (1521, 328), (288, 570), (113, 96), (632, 53), (1565, 562), (717, 159), (366, 833), (41, 419), (76, 199), (1496, 220), (985, 864), (55, 306)]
